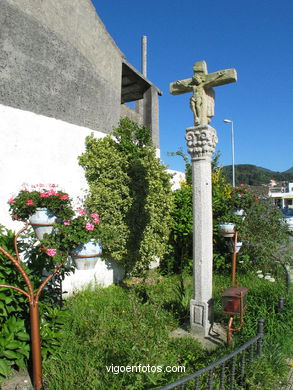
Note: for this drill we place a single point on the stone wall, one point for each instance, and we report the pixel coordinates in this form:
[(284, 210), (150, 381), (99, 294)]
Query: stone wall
[(57, 60), (131, 114)]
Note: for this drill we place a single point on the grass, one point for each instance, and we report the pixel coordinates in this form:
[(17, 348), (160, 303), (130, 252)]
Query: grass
[(129, 325)]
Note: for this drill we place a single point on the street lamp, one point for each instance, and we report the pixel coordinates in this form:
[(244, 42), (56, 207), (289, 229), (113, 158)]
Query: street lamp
[(233, 158)]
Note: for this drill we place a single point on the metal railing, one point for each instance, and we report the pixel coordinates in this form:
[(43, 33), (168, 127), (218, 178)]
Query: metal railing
[(226, 373)]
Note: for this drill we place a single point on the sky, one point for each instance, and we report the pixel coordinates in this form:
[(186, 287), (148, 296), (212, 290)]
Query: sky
[(253, 36)]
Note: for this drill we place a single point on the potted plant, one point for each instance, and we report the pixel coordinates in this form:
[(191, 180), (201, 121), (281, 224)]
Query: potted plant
[(240, 213), (42, 207), (227, 229), (79, 237), (241, 199), (238, 246)]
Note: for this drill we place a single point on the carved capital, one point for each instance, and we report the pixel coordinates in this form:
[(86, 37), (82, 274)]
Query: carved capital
[(201, 141)]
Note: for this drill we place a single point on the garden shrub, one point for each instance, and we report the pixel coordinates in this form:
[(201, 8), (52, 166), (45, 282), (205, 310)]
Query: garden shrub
[(14, 347), (131, 191), (14, 308), (179, 254), (262, 232)]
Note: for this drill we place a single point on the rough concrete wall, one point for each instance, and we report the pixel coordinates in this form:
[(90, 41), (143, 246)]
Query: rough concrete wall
[(131, 114), (151, 113), (56, 59)]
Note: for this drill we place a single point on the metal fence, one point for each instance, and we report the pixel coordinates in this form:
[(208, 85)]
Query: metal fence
[(226, 373)]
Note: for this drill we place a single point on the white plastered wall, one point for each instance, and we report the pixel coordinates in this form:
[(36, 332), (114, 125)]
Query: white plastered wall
[(35, 149)]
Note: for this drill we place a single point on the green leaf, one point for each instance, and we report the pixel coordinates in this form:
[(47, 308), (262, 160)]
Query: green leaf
[(20, 363), (11, 354), (23, 336), (13, 345), (4, 368)]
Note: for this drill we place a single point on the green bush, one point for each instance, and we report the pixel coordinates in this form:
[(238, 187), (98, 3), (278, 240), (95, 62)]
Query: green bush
[(131, 191), (14, 347), (179, 254), (264, 235), (14, 308)]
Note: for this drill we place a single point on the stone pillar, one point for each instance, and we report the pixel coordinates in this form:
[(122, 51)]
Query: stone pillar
[(151, 113), (201, 142)]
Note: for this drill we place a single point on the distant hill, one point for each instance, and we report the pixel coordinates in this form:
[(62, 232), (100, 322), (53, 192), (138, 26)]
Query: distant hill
[(290, 170), (255, 176)]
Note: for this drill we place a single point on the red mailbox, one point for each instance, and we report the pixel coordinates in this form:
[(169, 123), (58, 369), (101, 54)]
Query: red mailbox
[(234, 299)]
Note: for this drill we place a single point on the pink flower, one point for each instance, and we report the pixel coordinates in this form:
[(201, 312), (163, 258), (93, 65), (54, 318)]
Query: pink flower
[(51, 252), (81, 211), (52, 185), (44, 195), (66, 222), (41, 185), (11, 200), (51, 192), (29, 202), (64, 197), (241, 185), (96, 219), (89, 226)]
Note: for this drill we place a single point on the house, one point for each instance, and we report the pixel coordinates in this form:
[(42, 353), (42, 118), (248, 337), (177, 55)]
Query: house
[(282, 195), (62, 77)]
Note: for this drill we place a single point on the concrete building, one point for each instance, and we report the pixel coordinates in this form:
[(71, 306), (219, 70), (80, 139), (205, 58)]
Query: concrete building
[(62, 77), (282, 195)]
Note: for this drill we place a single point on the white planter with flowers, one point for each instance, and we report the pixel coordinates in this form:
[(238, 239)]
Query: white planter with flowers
[(42, 221), (41, 207), (238, 246), (240, 213), (227, 229), (86, 255)]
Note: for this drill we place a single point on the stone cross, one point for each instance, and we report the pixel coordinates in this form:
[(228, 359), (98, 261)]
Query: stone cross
[(201, 142), (202, 101)]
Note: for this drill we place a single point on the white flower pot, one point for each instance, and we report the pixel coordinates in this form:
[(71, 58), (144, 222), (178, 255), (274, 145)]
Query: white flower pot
[(240, 213), (227, 229), (86, 255), (238, 246), (42, 221)]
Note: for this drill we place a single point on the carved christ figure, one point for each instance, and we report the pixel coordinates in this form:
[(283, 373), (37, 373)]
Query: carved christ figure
[(202, 101)]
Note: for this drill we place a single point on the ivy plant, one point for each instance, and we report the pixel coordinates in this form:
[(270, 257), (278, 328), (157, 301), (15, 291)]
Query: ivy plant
[(131, 190)]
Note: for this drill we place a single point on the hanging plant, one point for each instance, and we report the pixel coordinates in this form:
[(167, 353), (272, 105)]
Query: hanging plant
[(26, 202), (72, 234)]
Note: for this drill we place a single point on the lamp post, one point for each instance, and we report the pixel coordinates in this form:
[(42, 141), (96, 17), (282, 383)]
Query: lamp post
[(233, 156)]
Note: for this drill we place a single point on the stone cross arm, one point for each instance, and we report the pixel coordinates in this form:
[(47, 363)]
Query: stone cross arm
[(215, 79)]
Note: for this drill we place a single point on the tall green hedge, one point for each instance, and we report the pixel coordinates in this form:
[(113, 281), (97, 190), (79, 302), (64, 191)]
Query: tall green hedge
[(131, 191)]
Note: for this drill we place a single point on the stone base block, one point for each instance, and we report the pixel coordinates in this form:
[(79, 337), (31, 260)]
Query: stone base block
[(105, 273), (200, 317)]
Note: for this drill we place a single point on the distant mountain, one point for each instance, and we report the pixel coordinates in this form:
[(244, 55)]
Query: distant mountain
[(290, 170), (255, 176)]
